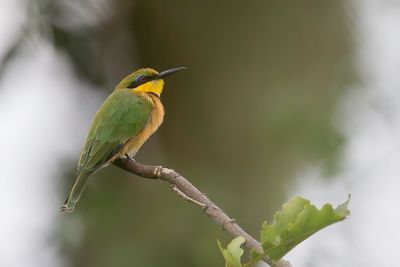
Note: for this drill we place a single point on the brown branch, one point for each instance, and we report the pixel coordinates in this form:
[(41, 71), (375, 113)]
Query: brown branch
[(189, 192)]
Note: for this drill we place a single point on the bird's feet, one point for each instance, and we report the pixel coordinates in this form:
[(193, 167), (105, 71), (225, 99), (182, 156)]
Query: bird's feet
[(126, 156)]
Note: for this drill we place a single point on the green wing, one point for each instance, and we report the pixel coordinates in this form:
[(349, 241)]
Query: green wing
[(122, 116)]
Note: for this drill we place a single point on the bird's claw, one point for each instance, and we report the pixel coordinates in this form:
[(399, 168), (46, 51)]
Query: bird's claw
[(126, 156)]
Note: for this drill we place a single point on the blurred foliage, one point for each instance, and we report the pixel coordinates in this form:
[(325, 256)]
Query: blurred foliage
[(253, 110), (233, 252), (297, 221)]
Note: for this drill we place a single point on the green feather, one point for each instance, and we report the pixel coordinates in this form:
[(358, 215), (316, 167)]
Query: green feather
[(122, 116)]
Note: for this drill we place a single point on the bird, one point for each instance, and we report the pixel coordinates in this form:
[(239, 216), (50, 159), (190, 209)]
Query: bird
[(122, 124)]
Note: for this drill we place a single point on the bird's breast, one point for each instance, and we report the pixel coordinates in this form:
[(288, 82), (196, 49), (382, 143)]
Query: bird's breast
[(155, 120)]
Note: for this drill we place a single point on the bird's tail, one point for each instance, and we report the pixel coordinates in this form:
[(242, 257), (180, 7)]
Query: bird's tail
[(76, 192)]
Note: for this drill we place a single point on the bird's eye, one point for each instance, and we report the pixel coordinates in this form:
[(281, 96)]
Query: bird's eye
[(141, 79)]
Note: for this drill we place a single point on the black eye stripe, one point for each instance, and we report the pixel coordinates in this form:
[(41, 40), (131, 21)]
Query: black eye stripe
[(142, 79), (139, 81)]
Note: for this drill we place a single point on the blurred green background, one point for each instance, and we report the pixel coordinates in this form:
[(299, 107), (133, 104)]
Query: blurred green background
[(255, 107)]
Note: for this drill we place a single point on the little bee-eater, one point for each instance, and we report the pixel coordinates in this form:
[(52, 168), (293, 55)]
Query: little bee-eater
[(126, 119)]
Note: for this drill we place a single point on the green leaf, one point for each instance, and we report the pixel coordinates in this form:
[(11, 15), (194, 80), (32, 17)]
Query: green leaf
[(297, 220), (233, 252)]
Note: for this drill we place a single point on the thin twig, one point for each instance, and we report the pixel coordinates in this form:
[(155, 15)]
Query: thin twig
[(181, 186), (185, 197)]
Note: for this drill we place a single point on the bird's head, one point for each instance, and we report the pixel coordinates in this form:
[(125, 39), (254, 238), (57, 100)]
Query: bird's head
[(146, 80)]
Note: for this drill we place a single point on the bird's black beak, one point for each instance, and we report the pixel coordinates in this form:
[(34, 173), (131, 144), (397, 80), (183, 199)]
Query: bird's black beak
[(166, 73)]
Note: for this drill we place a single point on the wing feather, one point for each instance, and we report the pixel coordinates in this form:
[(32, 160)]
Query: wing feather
[(122, 116)]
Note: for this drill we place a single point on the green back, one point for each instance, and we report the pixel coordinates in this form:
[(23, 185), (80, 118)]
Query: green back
[(121, 116)]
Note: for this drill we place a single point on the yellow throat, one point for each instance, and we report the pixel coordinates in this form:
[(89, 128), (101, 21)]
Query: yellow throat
[(154, 87)]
